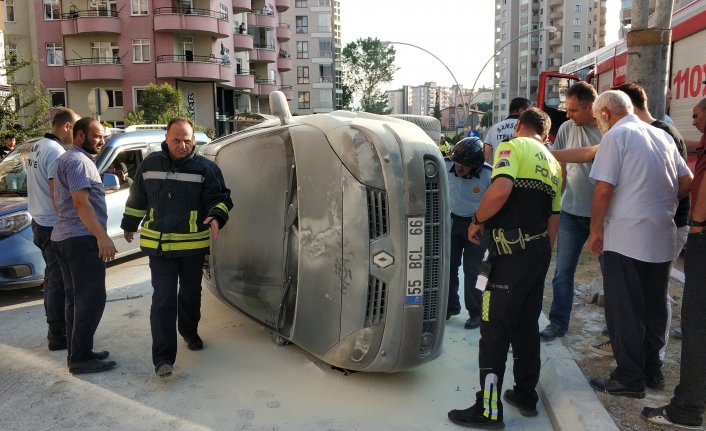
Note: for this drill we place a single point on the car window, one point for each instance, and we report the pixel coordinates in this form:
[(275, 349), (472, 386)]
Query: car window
[(13, 174), (124, 165)]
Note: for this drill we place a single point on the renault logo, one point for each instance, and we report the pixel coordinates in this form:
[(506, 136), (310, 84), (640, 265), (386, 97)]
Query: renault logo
[(383, 260)]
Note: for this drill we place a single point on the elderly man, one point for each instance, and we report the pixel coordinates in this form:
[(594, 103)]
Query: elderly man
[(685, 410), (639, 176)]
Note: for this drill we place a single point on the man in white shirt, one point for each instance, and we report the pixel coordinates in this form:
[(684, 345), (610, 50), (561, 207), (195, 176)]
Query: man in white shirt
[(505, 129)]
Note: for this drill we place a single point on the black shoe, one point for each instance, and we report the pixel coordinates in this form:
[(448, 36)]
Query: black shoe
[(611, 386), (677, 333), (194, 342), (514, 400), (451, 313), (101, 355), (551, 332), (90, 366), (164, 369), (655, 380), (473, 417), (658, 416), (57, 336), (472, 322)]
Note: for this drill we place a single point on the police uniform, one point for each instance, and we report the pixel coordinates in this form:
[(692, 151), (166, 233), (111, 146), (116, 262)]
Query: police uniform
[(520, 252), (172, 198)]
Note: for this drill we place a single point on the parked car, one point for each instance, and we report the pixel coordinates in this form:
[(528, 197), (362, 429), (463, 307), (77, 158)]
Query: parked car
[(338, 241), (21, 263)]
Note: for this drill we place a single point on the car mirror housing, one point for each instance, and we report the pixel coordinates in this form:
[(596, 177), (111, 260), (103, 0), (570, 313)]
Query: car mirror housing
[(111, 182)]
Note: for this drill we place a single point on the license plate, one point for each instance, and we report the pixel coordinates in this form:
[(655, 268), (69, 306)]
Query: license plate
[(415, 261)]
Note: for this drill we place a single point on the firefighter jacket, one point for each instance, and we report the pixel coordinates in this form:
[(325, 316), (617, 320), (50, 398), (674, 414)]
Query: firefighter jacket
[(172, 198)]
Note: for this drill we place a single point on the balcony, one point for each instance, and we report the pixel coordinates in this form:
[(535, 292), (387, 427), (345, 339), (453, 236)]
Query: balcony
[(90, 21), (194, 67), (244, 80), (287, 90), (263, 54), (284, 33), (242, 42), (263, 87), (284, 63), (282, 5), (242, 6), (261, 18), (556, 40), (192, 20), (84, 69)]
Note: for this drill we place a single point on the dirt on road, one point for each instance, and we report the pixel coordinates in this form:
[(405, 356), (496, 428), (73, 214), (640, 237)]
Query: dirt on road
[(587, 323)]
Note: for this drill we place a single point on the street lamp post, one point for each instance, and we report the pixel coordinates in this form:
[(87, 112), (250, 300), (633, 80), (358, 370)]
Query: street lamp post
[(549, 29), (458, 86)]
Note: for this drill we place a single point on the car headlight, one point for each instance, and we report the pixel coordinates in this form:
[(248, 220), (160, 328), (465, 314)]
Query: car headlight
[(10, 224), (358, 154)]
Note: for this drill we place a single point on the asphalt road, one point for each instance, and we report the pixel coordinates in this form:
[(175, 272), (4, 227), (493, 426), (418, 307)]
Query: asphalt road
[(240, 381)]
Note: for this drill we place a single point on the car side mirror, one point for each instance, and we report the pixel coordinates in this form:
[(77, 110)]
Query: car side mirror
[(111, 182)]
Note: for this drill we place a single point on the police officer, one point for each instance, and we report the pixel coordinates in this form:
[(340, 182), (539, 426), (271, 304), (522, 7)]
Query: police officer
[(469, 178), (520, 213), (178, 196)]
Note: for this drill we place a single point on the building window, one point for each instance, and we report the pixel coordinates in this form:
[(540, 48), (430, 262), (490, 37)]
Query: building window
[(577, 8), (325, 48), (115, 98), (325, 99), (137, 93), (304, 100), (138, 7), (58, 98), (104, 7), (55, 54), (302, 23), (577, 35), (324, 3), (11, 53), (577, 48), (141, 51), (301, 3), (52, 9), (577, 22), (105, 52), (302, 74), (10, 10), (325, 22), (326, 73), (302, 49)]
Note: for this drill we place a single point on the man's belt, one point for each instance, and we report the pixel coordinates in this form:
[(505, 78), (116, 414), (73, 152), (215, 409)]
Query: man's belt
[(507, 241)]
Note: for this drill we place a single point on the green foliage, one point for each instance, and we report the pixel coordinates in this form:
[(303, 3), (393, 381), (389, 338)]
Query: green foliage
[(437, 111), (346, 97), (26, 104), (159, 104), (487, 119), (368, 63)]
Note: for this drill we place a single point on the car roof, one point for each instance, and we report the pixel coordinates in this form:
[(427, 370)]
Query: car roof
[(127, 138)]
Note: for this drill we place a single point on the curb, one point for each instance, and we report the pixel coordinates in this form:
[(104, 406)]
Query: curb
[(568, 399)]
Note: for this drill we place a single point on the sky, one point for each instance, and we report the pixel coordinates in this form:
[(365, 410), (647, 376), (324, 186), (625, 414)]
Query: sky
[(459, 32)]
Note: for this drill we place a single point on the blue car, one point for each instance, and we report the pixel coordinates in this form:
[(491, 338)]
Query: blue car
[(21, 262)]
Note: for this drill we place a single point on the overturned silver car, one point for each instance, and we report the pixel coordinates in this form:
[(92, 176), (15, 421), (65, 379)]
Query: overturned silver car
[(338, 241)]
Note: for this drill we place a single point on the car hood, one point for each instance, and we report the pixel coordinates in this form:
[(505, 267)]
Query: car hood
[(11, 205)]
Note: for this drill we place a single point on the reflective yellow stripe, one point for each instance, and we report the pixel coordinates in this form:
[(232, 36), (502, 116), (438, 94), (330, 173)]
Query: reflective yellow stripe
[(192, 221), (135, 212), (186, 245), (147, 243), (151, 219), (485, 309), (221, 206), (185, 236), (149, 233)]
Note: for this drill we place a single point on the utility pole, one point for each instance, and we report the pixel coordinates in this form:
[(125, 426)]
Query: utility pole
[(649, 51)]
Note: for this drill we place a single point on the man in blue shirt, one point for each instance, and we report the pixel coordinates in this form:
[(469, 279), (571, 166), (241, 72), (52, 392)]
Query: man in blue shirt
[(83, 245), (469, 178)]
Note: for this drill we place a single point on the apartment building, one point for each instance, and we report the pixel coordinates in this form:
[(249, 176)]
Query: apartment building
[(315, 49), (527, 46), (626, 13), (222, 55)]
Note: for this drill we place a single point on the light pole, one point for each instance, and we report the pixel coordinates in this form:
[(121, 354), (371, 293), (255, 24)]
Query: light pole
[(549, 29), (463, 100)]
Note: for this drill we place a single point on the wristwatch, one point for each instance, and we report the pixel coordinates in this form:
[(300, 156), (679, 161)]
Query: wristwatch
[(696, 223), (476, 221)]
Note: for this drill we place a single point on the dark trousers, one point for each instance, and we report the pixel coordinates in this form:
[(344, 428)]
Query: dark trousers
[(472, 255), (687, 406), (636, 314), (83, 272), (54, 295), (171, 303), (512, 301)]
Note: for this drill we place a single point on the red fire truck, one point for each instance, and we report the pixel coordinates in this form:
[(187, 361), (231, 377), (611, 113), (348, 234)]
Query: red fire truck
[(607, 67)]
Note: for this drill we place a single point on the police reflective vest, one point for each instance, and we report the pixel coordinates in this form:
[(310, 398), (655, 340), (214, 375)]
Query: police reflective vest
[(171, 199)]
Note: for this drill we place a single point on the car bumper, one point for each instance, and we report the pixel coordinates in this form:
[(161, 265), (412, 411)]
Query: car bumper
[(21, 262)]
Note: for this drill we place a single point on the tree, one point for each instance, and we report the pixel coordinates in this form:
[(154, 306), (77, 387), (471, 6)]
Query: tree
[(159, 104), (346, 97), (487, 119), (368, 63), (437, 111), (24, 108)]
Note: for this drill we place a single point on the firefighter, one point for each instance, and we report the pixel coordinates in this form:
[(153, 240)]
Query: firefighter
[(469, 178), (178, 196), (520, 213)]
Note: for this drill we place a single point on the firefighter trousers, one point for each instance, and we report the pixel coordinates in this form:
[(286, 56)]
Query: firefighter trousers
[(176, 297), (512, 302)]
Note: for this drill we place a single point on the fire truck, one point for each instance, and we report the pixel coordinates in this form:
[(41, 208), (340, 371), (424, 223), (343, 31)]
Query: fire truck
[(607, 67)]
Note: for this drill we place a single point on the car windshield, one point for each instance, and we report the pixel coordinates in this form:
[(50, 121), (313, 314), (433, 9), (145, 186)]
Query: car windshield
[(13, 174)]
